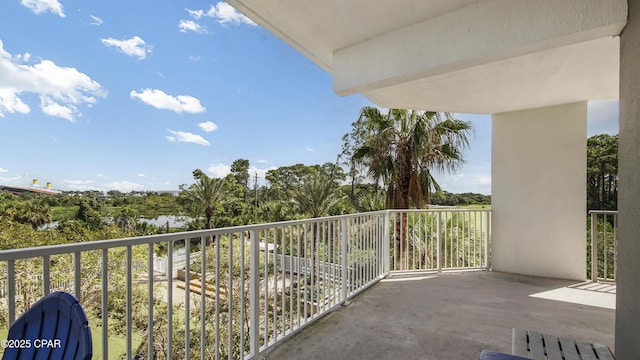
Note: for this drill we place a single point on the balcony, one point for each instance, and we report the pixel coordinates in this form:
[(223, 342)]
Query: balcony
[(416, 284)]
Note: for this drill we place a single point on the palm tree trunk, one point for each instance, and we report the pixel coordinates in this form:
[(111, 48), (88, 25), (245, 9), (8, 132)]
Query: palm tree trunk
[(402, 202)]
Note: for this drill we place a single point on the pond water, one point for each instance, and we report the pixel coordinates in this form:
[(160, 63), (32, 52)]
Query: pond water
[(174, 221)]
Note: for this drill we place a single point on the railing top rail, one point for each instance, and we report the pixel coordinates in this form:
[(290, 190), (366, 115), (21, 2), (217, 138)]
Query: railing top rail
[(603, 211), (438, 209), (24, 253)]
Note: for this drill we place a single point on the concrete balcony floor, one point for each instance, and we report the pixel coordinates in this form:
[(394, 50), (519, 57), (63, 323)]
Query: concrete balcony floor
[(449, 316)]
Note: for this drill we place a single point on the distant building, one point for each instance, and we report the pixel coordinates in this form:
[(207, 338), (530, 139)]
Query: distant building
[(33, 189)]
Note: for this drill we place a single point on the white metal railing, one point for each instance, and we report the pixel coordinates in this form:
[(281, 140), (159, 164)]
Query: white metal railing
[(437, 240), (161, 263), (249, 287), (604, 225)]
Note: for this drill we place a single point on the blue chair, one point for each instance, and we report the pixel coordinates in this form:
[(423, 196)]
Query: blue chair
[(492, 355), (55, 327)]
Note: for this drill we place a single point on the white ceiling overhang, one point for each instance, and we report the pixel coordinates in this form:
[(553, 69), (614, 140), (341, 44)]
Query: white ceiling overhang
[(485, 56)]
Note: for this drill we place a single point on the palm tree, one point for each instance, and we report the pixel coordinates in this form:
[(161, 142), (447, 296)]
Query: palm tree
[(402, 148), (35, 213), (206, 194), (316, 194)]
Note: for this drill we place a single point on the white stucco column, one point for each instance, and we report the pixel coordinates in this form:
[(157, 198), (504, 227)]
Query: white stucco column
[(628, 250), (538, 191)]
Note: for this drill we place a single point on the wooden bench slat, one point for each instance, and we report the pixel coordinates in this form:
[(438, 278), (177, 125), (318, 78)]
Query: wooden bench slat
[(519, 343), (586, 351), (569, 349), (539, 346), (604, 353), (536, 346), (552, 346)]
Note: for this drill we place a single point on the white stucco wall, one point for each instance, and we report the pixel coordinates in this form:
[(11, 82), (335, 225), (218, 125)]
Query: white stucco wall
[(539, 191)]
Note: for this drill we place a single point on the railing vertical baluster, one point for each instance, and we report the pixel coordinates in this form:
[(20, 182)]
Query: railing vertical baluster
[(615, 246), (305, 290), (275, 282), (369, 251), (187, 299), (594, 247), (46, 275), (386, 243), (284, 278), (466, 239), (314, 235), (605, 233), (150, 274), (170, 300), (77, 264), (325, 251), (229, 300), (254, 293), (11, 284), (291, 269), (487, 240), (105, 298), (203, 291), (298, 271), (128, 285), (439, 239), (242, 294), (217, 244), (343, 260)]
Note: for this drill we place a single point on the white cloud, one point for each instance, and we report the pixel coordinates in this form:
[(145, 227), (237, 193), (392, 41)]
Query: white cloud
[(52, 108), (134, 47), (219, 171), (96, 20), (261, 161), (160, 100), (123, 186), (262, 173), (208, 126), (66, 87), (223, 13), (190, 25), (80, 185), (40, 6), (481, 180), (142, 175), (3, 170), (78, 182), (602, 117), (10, 179), (182, 136), (309, 149), (196, 14)]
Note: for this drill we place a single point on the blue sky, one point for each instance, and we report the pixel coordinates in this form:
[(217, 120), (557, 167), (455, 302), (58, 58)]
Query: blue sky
[(135, 95)]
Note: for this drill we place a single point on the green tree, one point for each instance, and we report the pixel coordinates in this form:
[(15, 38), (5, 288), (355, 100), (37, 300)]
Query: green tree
[(316, 194), (602, 172), (35, 213), (89, 213), (403, 148), (240, 172), (204, 196)]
